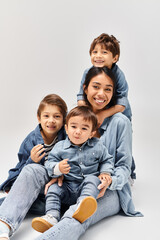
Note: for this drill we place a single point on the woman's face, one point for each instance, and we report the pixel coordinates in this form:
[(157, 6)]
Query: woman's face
[(100, 91)]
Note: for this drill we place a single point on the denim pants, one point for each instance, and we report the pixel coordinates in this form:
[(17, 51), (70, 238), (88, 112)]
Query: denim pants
[(70, 193), (69, 228), (23, 194)]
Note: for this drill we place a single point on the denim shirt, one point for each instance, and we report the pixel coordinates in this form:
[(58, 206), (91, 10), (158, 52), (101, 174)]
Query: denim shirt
[(121, 89), (24, 157), (116, 135), (90, 158)]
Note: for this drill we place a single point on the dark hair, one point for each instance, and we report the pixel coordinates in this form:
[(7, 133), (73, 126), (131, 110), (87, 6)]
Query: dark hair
[(109, 42), (53, 99), (86, 113), (94, 71)]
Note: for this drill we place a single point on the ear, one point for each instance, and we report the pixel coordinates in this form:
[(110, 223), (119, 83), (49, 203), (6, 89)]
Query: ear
[(85, 89), (115, 59), (92, 134), (66, 128)]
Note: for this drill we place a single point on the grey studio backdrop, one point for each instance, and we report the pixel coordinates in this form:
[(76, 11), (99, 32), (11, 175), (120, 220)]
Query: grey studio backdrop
[(44, 48)]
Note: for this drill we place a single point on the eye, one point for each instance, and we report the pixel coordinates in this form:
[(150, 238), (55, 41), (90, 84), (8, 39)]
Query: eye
[(108, 89), (94, 52), (46, 116), (95, 86), (104, 52), (73, 126), (84, 129), (57, 116)]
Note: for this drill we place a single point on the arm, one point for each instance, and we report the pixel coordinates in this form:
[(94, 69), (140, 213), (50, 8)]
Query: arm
[(121, 87), (80, 94), (122, 153), (109, 112), (24, 157)]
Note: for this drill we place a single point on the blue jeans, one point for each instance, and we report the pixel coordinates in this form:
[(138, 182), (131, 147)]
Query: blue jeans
[(24, 192), (69, 228), (70, 193)]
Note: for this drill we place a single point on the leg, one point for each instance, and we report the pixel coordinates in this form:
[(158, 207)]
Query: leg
[(53, 207), (22, 195), (68, 228), (86, 203)]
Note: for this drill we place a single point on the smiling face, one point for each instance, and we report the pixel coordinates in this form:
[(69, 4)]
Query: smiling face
[(100, 57), (51, 120), (78, 130), (99, 91)]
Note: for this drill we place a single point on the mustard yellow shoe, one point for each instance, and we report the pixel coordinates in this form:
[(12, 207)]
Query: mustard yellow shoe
[(86, 209), (42, 224)]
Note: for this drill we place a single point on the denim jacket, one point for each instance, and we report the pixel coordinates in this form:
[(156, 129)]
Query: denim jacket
[(121, 89), (90, 158), (24, 158), (116, 135)]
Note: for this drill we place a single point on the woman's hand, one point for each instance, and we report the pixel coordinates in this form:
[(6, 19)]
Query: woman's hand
[(60, 183), (64, 167), (106, 180), (37, 153)]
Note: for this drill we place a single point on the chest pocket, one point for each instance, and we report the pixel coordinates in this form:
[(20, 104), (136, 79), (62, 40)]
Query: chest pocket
[(91, 158)]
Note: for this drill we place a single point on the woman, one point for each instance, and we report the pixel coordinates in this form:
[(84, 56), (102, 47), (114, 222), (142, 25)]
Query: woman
[(116, 134)]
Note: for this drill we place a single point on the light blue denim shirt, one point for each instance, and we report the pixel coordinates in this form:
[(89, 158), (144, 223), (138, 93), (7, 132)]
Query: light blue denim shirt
[(116, 135), (90, 158), (121, 89)]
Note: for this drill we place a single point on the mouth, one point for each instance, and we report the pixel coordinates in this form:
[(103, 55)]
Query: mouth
[(51, 127), (99, 101)]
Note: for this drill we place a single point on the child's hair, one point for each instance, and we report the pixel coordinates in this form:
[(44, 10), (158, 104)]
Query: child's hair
[(86, 113), (53, 99), (109, 42), (93, 72)]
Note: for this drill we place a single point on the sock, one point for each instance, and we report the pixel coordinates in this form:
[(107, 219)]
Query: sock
[(4, 230)]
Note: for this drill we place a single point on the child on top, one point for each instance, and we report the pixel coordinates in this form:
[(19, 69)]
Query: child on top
[(85, 163), (34, 149), (105, 51)]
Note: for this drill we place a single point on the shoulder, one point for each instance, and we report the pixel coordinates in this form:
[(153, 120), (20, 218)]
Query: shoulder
[(117, 71), (120, 120), (32, 137)]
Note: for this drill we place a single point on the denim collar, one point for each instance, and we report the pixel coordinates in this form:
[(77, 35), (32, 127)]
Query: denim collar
[(68, 144)]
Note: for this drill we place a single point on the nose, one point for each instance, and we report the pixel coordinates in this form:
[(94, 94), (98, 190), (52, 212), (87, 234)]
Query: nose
[(101, 92), (78, 131), (98, 54), (52, 119)]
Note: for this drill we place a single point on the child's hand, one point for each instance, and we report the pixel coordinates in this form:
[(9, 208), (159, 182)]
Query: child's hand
[(64, 167), (81, 103), (106, 180), (37, 153), (60, 183)]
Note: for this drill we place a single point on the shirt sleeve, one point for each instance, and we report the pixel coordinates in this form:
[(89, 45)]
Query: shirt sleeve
[(123, 154), (121, 87), (80, 94), (53, 159), (106, 161)]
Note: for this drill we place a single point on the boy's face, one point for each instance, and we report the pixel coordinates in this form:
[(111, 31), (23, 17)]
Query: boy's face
[(100, 57), (51, 120), (79, 130)]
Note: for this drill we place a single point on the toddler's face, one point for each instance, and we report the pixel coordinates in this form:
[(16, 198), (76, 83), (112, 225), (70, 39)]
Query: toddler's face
[(79, 130), (100, 57)]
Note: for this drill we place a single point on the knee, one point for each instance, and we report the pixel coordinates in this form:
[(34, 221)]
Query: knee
[(34, 171), (92, 179)]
